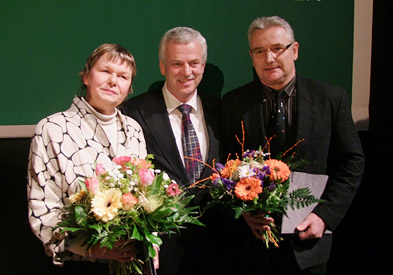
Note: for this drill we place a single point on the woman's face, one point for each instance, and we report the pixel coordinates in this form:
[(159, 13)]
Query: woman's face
[(108, 84)]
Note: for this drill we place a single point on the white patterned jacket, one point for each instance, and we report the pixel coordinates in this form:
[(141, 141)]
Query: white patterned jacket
[(64, 149)]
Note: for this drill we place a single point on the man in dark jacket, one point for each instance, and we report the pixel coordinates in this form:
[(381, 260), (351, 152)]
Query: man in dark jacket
[(315, 112)]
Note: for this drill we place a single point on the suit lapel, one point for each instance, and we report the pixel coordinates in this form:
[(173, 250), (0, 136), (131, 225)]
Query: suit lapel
[(211, 115), (156, 118), (306, 114), (255, 135)]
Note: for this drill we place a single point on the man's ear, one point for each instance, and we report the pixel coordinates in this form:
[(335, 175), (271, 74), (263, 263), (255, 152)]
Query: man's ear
[(162, 68), (295, 49)]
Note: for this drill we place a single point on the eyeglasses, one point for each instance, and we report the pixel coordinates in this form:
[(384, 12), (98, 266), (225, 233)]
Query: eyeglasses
[(276, 51)]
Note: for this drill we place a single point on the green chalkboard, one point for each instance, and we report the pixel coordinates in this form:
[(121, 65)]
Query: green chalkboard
[(44, 44)]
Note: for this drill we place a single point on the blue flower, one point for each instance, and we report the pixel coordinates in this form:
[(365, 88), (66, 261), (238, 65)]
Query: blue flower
[(219, 167), (272, 187), (248, 153), (266, 169), (229, 184), (261, 175)]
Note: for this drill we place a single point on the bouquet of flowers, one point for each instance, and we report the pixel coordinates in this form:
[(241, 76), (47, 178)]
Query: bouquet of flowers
[(257, 184), (130, 201)]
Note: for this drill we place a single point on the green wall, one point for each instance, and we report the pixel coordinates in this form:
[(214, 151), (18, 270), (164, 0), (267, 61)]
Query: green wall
[(44, 44)]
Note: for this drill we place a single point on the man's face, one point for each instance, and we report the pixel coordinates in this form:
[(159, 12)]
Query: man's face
[(108, 84), (183, 68), (273, 56)]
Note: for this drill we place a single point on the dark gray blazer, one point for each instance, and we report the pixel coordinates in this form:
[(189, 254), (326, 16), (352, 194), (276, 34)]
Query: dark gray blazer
[(331, 145)]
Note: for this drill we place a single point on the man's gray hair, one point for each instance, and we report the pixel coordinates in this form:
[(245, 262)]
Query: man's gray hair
[(182, 35), (261, 23)]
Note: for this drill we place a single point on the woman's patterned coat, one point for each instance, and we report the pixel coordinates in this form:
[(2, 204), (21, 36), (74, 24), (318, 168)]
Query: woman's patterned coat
[(65, 148)]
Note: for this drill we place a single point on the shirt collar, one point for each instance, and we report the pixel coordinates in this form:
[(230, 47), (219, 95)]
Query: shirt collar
[(172, 102), (289, 88)]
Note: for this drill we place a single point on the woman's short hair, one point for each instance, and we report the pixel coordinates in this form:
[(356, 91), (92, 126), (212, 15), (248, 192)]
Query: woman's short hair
[(182, 35), (116, 52), (261, 23)]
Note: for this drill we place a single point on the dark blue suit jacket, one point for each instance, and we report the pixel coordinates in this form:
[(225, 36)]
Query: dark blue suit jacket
[(331, 145)]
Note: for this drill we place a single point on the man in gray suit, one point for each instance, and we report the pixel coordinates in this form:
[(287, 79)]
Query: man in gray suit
[(314, 111), (182, 56)]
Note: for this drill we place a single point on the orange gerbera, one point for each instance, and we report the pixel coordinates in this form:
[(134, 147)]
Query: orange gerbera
[(278, 170), (230, 168), (248, 189)]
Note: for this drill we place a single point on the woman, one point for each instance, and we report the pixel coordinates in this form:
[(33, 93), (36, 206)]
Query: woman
[(67, 145)]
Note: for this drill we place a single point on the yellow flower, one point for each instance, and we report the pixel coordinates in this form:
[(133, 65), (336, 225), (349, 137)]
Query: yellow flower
[(77, 196), (106, 204)]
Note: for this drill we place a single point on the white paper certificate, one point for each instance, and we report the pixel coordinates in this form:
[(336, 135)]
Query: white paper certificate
[(316, 183)]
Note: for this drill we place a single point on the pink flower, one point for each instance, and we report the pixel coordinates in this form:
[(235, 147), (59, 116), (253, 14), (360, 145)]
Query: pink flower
[(121, 160), (129, 200), (92, 185), (100, 169), (173, 189), (147, 176)]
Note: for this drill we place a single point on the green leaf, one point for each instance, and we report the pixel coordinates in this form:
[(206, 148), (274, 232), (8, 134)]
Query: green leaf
[(80, 215), (152, 251), (71, 229), (82, 185), (153, 238), (238, 212), (302, 197), (136, 235), (187, 199), (155, 187)]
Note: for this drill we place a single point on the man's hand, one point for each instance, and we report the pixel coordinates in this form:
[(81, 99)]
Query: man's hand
[(311, 228), (259, 223)]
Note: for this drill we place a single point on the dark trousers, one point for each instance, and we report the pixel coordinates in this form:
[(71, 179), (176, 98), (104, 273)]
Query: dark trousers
[(246, 255), (282, 261)]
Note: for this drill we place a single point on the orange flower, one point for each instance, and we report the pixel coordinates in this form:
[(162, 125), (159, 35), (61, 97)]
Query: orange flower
[(214, 176), (278, 170), (248, 189), (141, 163), (129, 201), (230, 168)]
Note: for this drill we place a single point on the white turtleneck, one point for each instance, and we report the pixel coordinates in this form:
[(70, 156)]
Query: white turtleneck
[(108, 124)]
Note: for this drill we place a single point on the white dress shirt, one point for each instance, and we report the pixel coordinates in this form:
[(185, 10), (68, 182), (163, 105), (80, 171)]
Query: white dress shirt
[(196, 116)]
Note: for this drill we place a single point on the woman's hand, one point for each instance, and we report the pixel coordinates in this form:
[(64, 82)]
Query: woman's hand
[(123, 251)]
